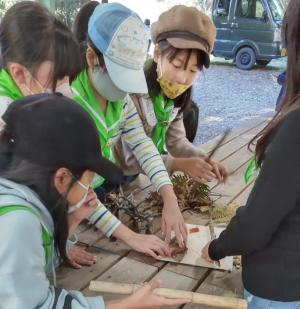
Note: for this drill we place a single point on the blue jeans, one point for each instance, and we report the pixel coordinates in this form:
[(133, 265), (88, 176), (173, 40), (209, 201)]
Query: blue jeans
[(255, 302)]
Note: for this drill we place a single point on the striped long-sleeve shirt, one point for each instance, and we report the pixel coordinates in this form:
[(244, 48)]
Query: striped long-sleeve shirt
[(130, 128), (132, 132)]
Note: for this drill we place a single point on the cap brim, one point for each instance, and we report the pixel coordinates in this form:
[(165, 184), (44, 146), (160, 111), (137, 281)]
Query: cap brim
[(190, 44), (109, 171), (129, 80)]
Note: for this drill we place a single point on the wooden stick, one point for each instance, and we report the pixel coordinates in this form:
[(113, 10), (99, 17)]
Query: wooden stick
[(196, 298)]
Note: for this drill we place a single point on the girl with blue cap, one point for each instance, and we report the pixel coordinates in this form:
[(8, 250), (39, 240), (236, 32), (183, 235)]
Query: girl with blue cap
[(116, 49)]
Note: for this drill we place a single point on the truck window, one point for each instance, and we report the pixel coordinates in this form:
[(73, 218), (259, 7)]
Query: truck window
[(222, 7), (250, 9), (277, 8)]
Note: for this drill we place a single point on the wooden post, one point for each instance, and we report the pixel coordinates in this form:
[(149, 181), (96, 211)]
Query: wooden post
[(196, 298)]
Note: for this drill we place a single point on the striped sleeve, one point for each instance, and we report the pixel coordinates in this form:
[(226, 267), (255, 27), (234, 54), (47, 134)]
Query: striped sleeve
[(104, 220), (143, 147)]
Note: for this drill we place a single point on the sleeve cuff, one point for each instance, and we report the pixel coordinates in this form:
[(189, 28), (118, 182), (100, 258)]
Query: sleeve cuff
[(96, 302), (214, 252)]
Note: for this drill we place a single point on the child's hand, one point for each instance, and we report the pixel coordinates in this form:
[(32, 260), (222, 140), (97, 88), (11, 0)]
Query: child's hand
[(206, 257), (144, 298), (78, 256), (220, 171)]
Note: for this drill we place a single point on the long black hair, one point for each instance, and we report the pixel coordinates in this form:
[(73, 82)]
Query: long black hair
[(30, 35), (80, 30), (291, 99), (40, 179), (166, 48)]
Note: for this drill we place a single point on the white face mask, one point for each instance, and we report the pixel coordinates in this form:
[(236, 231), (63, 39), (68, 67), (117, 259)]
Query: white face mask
[(65, 89), (43, 89), (82, 201), (105, 86)]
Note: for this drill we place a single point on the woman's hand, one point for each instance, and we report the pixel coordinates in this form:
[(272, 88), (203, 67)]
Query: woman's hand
[(147, 244), (144, 298)]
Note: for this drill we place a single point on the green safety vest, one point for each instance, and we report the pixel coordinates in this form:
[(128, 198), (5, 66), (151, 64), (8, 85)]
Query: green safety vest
[(46, 237)]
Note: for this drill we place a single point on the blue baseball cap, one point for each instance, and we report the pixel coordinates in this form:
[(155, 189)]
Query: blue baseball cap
[(118, 33)]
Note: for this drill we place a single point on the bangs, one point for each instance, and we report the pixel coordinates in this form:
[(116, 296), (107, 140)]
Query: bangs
[(171, 51)]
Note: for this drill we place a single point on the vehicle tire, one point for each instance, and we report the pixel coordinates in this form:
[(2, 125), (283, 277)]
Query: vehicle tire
[(263, 63), (245, 58)]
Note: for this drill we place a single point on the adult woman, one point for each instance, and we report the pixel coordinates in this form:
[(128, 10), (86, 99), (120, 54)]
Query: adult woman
[(265, 231)]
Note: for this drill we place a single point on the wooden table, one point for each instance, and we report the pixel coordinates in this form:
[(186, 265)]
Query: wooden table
[(116, 263)]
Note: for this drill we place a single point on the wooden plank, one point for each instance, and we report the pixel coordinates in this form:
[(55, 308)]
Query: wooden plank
[(228, 284), (197, 273), (125, 271), (234, 186), (113, 246), (146, 259), (234, 145), (175, 281), (76, 279), (89, 235), (208, 146), (241, 199)]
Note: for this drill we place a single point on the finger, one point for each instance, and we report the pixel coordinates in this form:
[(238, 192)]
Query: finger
[(210, 175), (200, 180), (179, 236), (88, 256), (168, 233), (162, 246), (163, 227), (152, 254), (217, 172), (184, 232), (159, 251), (83, 261), (155, 284), (224, 173), (75, 265), (207, 165)]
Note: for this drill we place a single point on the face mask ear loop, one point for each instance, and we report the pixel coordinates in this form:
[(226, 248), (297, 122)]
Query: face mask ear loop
[(83, 186), (160, 68)]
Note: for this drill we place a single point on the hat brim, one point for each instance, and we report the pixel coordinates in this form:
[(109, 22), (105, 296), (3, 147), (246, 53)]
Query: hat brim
[(128, 80), (182, 43), (109, 171)]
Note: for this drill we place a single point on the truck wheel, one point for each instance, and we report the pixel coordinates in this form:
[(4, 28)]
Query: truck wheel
[(263, 63), (245, 58)]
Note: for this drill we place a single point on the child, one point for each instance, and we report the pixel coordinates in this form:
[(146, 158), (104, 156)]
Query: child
[(116, 49), (184, 39), (266, 231), (43, 62), (46, 167)]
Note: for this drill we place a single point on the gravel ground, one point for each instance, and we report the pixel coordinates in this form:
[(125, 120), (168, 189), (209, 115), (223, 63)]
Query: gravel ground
[(229, 98)]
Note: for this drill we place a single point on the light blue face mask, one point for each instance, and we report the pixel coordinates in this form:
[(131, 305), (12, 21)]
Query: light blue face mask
[(105, 86)]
